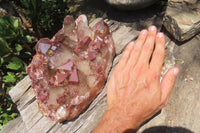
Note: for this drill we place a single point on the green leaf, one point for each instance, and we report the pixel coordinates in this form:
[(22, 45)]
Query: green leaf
[(23, 72), (9, 109), (4, 48), (18, 47), (15, 64), (9, 78), (20, 76), (1, 61), (4, 21), (28, 39), (25, 55), (4, 115), (9, 27), (1, 126), (8, 89), (5, 122), (21, 33), (28, 53), (15, 23), (13, 115)]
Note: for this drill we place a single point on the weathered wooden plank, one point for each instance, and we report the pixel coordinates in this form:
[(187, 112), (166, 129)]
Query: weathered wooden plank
[(93, 22), (94, 118), (10, 125), (113, 25), (123, 36), (31, 115), (19, 128), (15, 126), (85, 117), (55, 128), (42, 126), (26, 99), (17, 91)]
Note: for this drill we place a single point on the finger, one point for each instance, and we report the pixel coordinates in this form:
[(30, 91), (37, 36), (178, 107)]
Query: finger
[(168, 83), (148, 46), (126, 54), (158, 54), (137, 48)]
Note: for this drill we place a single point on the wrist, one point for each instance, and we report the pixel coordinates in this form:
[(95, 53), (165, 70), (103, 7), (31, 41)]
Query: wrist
[(120, 122)]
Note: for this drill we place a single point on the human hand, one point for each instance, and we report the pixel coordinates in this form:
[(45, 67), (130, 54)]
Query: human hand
[(134, 92)]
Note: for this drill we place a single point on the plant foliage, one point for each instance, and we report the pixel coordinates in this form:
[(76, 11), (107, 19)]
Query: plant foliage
[(46, 15), (14, 56)]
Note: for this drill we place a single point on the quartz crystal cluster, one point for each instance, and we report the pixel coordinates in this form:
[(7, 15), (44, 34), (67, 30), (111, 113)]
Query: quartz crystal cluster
[(69, 70)]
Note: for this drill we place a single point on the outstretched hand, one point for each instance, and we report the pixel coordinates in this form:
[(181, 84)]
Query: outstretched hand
[(134, 92)]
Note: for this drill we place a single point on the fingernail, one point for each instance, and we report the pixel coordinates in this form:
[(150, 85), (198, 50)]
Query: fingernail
[(143, 32), (176, 70), (160, 35), (152, 28)]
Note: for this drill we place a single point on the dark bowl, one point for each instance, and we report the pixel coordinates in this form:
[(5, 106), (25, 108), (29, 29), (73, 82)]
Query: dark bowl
[(130, 4)]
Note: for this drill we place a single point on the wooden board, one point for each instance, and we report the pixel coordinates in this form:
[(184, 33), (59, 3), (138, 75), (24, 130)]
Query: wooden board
[(15, 126), (22, 94)]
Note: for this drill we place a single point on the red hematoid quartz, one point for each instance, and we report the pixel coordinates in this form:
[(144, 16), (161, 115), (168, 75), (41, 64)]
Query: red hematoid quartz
[(69, 70)]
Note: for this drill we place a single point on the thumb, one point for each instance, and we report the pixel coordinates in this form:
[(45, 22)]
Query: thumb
[(168, 83)]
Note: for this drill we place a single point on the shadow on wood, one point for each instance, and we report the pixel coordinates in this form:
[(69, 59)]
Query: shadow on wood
[(165, 129)]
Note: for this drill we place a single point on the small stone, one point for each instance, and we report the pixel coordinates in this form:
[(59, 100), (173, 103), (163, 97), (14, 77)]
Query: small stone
[(3, 12), (188, 78), (182, 19)]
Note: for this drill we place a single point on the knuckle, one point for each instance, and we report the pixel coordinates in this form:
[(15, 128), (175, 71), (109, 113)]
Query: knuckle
[(138, 69), (136, 50), (154, 77), (148, 47)]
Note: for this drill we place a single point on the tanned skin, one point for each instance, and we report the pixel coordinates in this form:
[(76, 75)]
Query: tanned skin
[(134, 92)]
